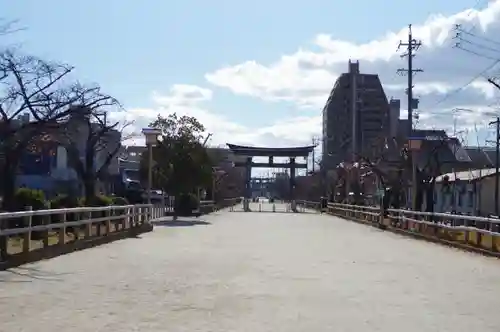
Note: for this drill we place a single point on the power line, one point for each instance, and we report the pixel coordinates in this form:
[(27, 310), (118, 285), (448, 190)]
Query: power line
[(461, 39), (471, 10), (476, 53), (481, 46), (457, 90), (458, 35), (459, 31)]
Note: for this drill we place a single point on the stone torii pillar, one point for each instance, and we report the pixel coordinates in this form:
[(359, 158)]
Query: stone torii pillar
[(293, 205), (248, 184)]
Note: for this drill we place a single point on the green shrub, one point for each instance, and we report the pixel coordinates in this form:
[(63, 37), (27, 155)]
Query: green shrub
[(24, 198), (119, 201), (185, 204), (64, 202), (97, 201)]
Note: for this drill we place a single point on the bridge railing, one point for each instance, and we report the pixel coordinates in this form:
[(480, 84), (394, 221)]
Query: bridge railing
[(24, 231), (304, 204), (211, 206), (227, 202), (462, 229)]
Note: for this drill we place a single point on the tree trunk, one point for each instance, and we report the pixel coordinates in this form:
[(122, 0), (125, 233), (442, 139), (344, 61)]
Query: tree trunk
[(8, 172), (89, 184), (9, 189), (430, 198), (8, 202)]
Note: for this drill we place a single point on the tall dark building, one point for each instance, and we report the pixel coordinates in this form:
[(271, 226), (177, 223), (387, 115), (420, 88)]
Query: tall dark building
[(356, 117)]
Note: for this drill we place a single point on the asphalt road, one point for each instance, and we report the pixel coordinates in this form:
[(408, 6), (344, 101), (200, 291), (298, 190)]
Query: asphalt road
[(256, 272)]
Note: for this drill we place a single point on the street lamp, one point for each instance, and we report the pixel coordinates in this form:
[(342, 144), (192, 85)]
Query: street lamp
[(151, 135)]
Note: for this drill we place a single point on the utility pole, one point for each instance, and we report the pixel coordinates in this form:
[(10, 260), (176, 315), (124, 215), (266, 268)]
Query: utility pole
[(497, 161), (410, 46), (315, 141)]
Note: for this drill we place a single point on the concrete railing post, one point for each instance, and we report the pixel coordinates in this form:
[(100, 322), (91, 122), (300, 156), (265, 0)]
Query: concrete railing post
[(28, 221), (89, 225), (109, 212), (62, 230)]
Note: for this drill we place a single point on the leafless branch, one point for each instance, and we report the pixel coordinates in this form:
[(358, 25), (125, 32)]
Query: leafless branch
[(34, 86), (91, 139)]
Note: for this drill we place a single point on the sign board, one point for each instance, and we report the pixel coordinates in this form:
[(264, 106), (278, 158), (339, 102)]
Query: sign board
[(414, 144)]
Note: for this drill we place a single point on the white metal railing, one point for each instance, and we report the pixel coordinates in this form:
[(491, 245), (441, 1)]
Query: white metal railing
[(454, 227)]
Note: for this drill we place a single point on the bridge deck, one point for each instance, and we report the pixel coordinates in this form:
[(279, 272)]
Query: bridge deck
[(257, 272)]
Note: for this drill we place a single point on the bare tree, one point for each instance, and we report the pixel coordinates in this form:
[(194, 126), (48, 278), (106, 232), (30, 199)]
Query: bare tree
[(431, 167), (91, 141), (386, 160), (35, 96)]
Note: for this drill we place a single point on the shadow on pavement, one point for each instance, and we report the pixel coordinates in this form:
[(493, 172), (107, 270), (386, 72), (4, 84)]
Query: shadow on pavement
[(27, 274), (180, 223)]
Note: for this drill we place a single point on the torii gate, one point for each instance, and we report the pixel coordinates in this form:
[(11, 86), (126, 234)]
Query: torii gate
[(251, 151)]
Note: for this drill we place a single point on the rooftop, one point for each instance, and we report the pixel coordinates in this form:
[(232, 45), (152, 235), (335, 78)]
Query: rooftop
[(470, 175), (254, 151)]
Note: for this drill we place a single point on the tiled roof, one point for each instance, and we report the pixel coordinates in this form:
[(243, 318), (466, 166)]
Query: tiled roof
[(473, 174), (479, 157)]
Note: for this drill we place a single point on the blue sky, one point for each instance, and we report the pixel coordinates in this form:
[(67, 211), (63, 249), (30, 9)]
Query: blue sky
[(132, 48)]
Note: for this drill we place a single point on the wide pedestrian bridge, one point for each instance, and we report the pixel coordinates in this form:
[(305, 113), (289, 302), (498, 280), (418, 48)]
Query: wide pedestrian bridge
[(238, 271)]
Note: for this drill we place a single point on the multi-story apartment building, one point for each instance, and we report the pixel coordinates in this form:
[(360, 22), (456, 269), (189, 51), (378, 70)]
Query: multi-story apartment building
[(356, 117)]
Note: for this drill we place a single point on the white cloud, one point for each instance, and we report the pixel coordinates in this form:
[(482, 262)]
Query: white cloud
[(183, 94), (306, 77), (190, 100)]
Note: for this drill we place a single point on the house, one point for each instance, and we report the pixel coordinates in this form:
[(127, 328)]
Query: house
[(467, 192), (45, 165)]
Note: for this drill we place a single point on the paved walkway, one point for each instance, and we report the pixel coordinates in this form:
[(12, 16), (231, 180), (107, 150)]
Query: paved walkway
[(257, 272)]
